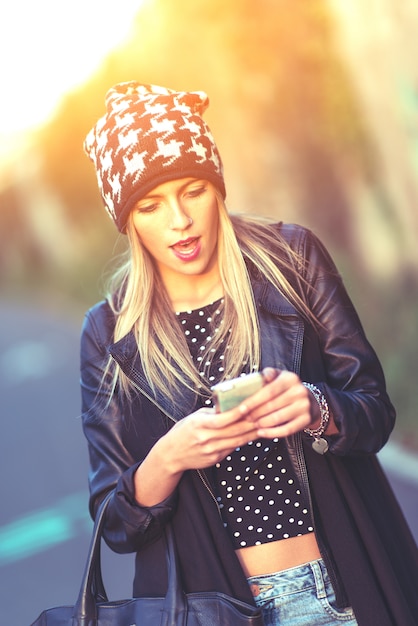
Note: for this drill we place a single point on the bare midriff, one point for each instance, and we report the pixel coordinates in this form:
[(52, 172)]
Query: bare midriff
[(276, 556)]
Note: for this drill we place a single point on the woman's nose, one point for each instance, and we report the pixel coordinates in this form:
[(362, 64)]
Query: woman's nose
[(179, 219)]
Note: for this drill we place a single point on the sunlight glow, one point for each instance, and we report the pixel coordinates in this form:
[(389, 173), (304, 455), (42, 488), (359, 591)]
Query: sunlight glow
[(50, 47)]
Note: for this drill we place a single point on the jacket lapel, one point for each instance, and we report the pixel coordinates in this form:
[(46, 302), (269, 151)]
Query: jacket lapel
[(281, 329), (125, 353)]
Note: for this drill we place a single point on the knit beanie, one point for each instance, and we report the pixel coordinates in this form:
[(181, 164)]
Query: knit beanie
[(148, 136)]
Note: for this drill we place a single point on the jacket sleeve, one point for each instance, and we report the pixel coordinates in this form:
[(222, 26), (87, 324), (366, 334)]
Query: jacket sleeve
[(128, 526), (353, 380)]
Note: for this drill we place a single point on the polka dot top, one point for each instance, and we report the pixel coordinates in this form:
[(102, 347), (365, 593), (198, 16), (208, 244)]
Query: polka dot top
[(257, 490)]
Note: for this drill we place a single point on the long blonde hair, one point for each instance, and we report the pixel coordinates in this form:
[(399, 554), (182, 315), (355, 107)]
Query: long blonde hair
[(140, 302)]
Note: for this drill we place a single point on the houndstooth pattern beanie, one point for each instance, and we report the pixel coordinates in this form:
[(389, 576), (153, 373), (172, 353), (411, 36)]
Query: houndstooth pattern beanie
[(148, 136)]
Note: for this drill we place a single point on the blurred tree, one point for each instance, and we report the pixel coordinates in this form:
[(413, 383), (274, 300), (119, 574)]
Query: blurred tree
[(19, 251)]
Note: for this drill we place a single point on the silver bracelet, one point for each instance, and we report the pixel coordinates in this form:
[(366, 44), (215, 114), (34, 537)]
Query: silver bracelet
[(319, 444)]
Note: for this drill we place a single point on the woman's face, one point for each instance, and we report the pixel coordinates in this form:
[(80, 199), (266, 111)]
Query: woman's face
[(177, 222)]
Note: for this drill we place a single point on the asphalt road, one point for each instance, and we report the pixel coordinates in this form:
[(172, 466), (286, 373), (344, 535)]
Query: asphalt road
[(44, 524)]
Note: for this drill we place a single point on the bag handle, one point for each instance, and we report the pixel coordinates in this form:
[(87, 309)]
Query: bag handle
[(92, 590)]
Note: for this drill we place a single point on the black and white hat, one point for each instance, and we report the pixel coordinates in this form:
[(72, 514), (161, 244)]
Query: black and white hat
[(148, 136)]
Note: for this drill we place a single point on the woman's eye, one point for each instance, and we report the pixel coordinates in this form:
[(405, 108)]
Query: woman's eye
[(147, 208), (195, 193)]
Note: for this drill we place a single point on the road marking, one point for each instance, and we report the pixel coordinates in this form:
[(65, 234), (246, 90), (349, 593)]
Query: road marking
[(45, 528)]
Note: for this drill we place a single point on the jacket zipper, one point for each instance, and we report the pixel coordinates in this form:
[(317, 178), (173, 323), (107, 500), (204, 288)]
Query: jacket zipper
[(302, 473), (208, 487)]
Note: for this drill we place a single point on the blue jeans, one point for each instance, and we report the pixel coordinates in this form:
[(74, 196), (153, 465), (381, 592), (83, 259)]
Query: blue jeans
[(300, 596)]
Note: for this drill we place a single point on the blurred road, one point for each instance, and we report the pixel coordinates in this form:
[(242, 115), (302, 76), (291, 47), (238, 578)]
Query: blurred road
[(44, 524)]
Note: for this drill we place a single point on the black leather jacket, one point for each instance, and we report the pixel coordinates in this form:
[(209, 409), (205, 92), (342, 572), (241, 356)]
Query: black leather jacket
[(336, 357)]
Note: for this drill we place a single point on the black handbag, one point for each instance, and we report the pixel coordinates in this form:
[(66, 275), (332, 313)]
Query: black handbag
[(176, 609)]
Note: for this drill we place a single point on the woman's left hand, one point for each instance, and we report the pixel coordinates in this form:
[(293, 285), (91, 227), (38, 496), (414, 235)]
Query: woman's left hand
[(282, 407)]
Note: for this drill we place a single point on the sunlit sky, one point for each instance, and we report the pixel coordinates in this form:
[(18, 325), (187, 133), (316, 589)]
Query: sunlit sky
[(49, 47)]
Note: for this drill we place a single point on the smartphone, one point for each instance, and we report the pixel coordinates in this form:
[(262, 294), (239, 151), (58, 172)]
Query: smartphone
[(230, 393)]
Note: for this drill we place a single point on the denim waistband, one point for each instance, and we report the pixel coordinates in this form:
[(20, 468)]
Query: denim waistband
[(308, 575)]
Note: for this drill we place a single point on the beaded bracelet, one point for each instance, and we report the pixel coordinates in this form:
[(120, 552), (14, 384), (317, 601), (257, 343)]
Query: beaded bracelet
[(319, 444)]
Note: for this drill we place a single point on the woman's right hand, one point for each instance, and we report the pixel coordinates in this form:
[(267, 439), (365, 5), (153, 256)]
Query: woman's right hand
[(204, 438), (199, 440)]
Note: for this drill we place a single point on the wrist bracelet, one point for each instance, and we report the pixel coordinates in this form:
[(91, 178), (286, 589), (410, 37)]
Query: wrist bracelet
[(319, 444)]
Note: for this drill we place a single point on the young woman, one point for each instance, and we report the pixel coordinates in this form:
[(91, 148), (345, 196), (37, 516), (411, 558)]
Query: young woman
[(279, 501)]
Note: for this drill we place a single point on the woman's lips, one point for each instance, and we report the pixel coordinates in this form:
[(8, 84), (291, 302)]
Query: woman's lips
[(187, 249)]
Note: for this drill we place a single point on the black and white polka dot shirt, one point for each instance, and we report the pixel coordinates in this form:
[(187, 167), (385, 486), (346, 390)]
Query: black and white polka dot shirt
[(257, 490)]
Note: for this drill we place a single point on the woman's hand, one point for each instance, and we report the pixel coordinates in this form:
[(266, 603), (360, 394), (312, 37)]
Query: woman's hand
[(199, 440), (203, 438), (282, 407)]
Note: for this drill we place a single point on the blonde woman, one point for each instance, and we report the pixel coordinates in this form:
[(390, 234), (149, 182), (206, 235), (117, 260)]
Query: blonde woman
[(278, 501)]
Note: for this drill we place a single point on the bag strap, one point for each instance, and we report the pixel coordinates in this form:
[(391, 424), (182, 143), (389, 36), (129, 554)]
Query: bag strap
[(92, 590)]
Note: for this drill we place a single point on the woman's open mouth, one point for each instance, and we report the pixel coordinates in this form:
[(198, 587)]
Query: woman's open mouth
[(187, 249)]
